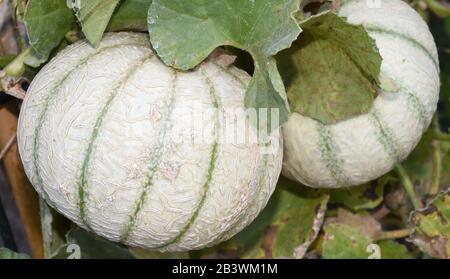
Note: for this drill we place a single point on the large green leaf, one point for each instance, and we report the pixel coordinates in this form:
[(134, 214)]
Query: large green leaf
[(184, 33), (130, 15), (391, 249), (6, 254), (432, 227), (352, 236), (330, 70), (286, 223), (47, 22), (342, 241), (94, 16)]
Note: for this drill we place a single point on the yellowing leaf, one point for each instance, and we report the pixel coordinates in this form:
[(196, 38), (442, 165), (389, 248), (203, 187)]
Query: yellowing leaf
[(344, 242), (432, 227), (330, 70)]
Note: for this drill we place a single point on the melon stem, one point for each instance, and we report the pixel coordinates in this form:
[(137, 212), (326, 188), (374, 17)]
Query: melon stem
[(437, 168), (395, 234), (409, 187)]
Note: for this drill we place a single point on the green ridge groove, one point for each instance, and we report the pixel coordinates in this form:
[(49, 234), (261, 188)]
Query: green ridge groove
[(418, 108), (384, 136), (329, 155), (54, 92), (262, 167), (154, 164), (211, 167), (82, 182)]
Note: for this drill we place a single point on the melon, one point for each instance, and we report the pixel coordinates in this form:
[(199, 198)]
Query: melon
[(95, 140), (367, 146)]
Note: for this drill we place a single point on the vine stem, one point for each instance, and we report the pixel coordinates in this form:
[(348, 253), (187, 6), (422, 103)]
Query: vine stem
[(402, 233), (438, 8), (438, 135), (437, 168), (437, 158), (7, 146), (409, 187)]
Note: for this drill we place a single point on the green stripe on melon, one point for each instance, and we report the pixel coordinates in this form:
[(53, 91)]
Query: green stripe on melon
[(384, 135), (211, 165), (53, 93), (154, 164), (330, 154), (83, 183)]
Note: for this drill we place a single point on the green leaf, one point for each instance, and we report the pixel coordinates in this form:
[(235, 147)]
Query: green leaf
[(342, 241), (432, 227), (351, 236), (130, 15), (330, 70), (367, 196), (6, 254), (286, 223), (418, 163), (94, 16), (47, 22), (261, 27), (184, 33), (391, 249), (91, 247)]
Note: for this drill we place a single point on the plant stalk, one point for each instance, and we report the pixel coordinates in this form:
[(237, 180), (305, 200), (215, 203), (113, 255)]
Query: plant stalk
[(402, 233), (437, 168), (409, 187)]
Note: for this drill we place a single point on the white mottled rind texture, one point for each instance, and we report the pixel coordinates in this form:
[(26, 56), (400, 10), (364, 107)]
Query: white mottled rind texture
[(361, 149), (95, 143)]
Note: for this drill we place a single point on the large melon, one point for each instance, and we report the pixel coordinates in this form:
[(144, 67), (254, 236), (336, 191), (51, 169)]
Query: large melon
[(365, 147), (94, 136)]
